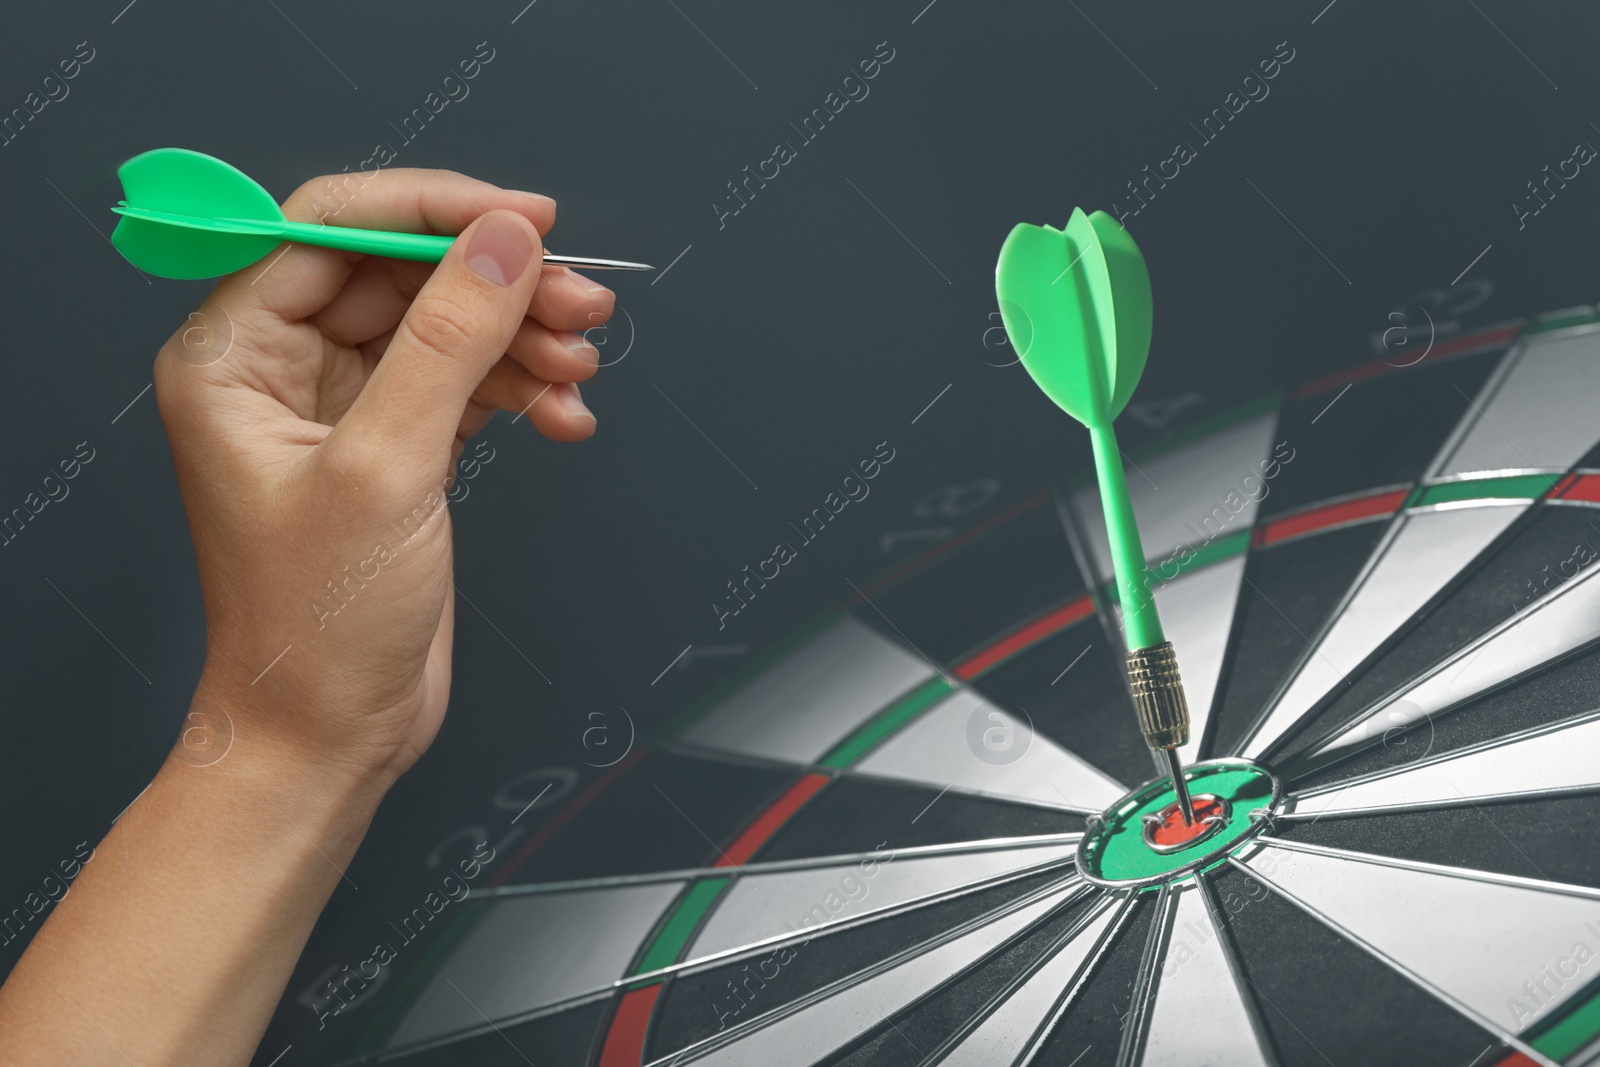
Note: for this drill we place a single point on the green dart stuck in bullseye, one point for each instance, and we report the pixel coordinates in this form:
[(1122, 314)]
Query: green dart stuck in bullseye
[(1076, 307)]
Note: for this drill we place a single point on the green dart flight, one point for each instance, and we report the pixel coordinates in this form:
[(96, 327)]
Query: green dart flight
[(190, 215), (1076, 306)]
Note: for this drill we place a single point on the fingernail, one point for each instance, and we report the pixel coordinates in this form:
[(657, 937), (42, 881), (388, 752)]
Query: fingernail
[(500, 249), (536, 196), (581, 347), (585, 284), (573, 404)]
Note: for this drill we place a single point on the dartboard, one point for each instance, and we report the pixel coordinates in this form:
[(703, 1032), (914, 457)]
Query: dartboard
[(924, 828)]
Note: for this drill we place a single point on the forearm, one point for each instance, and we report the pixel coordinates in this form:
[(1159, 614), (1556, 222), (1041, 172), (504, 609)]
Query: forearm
[(177, 939)]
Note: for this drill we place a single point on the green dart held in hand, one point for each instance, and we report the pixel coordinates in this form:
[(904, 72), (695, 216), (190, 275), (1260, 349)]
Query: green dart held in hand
[(190, 215), (1076, 306)]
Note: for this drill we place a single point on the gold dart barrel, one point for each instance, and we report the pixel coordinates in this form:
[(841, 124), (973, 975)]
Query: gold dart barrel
[(1162, 709), (1158, 696)]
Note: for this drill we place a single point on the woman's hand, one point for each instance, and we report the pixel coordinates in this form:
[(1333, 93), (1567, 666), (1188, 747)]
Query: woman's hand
[(316, 405)]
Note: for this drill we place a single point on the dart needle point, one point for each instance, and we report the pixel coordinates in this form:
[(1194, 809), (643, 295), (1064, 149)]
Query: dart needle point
[(1180, 785)]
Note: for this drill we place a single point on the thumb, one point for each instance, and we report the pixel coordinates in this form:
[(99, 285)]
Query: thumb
[(457, 328)]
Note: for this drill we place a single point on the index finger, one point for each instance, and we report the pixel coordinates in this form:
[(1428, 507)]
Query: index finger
[(294, 284)]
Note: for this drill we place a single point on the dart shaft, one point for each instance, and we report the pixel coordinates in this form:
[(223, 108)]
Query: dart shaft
[(423, 247), (1158, 696), (1139, 619)]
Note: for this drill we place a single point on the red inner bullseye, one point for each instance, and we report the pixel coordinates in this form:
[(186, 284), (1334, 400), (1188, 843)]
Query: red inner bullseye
[(1172, 830)]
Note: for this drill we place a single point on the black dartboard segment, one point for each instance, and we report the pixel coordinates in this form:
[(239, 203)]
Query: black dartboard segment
[(1564, 690), (948, 1015), (1544, 839), (1091, 1030), (847, 816), (1297, 970), (700, 1006), (1094, 716), (1383, 431), (1543, 549), (1291, 591), (1003, 568)]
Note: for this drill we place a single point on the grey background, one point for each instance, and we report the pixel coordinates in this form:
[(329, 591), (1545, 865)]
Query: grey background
[(818, 322)]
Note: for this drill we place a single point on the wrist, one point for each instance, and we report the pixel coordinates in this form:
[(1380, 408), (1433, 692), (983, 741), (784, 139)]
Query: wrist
[(293, 817), (255, 733)]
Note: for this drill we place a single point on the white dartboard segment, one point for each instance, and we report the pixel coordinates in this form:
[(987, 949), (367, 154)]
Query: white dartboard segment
[(762, 906), (1417, 560), (803, 1037), (1549, 760), (1192, 496), (1558, 624), (971, 746), (1537, 414), (1197, 1013), (807, 702), (529, 952), (1015, 1024)]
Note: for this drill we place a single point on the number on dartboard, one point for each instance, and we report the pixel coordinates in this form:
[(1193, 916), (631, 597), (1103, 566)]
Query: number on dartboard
[(946, 502), (954, 501), (529, 791), (1158, 414), (1422, 317)]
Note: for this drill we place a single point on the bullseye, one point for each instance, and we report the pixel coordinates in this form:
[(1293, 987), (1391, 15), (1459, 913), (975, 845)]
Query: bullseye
[(1166, 831), (1142, 840)]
